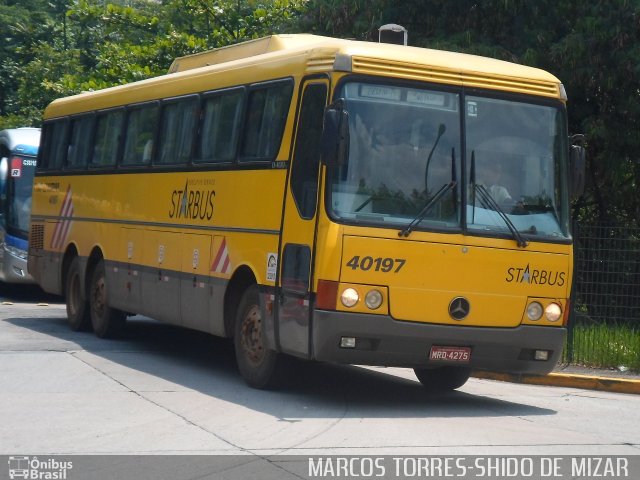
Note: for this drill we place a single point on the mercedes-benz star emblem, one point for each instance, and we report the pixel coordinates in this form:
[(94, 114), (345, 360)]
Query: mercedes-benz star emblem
[(459, 308)]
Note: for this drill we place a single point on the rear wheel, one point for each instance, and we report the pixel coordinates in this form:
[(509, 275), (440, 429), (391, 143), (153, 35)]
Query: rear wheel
[(77, 306), (259, 366), (107, 322), (442, 379)]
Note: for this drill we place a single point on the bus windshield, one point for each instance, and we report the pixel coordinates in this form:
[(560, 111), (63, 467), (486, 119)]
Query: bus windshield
[(22, 170), (406, 159)]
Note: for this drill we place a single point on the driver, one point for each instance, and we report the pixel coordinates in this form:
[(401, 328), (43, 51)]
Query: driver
[(491, 177)]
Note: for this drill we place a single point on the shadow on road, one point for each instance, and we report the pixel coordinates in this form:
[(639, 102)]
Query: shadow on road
[(26, 293), (206, 364)]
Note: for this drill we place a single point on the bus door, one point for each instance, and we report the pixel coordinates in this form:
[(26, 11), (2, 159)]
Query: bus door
[(299, 224)]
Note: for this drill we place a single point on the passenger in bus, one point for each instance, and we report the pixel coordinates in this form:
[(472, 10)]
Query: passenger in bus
[(146, 154)]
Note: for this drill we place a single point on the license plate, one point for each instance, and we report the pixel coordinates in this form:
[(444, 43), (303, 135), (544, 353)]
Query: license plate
[(450, 354)]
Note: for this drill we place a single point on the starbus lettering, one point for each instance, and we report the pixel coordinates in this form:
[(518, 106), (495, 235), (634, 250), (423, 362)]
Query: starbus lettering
[(535, 276), (192, 203)]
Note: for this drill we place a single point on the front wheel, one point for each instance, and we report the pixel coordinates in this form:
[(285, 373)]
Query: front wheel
[(259, 366), (442, 379), (107, 322)]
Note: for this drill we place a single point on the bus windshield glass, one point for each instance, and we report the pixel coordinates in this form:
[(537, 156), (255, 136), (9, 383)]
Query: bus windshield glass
[(405, 163), (22, 171), (404, 147), (515, 156)]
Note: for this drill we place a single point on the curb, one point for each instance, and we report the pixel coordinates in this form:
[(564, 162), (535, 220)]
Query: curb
[(587, 382)]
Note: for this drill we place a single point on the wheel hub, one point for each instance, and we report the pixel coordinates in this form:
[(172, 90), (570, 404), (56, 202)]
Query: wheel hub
[(251, 339), (99, 296)]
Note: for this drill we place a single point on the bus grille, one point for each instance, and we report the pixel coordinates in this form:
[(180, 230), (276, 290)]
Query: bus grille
[(424, 73), (37, 237)]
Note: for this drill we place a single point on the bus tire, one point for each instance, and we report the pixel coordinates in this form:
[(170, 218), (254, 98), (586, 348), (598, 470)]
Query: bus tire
[(78, 315), (107, 322), (442, 379), (259, 366)]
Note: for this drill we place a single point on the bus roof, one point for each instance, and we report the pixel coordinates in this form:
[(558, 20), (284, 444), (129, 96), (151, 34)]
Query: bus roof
[(299, 54), (25, 139)]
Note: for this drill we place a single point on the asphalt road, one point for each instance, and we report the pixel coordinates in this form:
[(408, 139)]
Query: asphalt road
[(166, 390)]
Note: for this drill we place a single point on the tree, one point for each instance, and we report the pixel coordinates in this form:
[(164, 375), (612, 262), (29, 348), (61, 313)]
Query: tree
[(25, 24), (224, 22), (90, 44)]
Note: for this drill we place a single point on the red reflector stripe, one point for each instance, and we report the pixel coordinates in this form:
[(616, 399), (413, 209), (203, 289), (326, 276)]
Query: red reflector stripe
[(567, 311), (327, 295)]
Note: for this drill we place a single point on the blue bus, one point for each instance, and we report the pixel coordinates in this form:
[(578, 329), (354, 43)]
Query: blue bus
[(18, 152)]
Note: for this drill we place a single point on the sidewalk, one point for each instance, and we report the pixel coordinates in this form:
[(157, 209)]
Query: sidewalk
[(572, 376)]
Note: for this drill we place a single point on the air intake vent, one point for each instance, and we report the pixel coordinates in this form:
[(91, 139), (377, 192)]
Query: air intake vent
[(37, 237), (373, 66), (320, 63)]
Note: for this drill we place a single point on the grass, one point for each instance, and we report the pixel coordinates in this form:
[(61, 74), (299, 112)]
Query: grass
[(606, 346)]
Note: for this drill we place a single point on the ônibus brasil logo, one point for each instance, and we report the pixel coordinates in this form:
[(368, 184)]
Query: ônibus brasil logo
[(36, 469)]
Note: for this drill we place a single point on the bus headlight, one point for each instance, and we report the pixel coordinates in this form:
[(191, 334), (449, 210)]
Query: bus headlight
[(534, 311), (373, 299), (349, 297), (553, 312)]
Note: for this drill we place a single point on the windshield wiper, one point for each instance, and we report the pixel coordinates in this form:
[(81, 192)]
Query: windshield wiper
[(442, 191), (430, 204), (487, 200), (441, 129)]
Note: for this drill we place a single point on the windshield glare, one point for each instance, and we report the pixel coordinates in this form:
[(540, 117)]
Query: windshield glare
[(406, 144), (403, 143)]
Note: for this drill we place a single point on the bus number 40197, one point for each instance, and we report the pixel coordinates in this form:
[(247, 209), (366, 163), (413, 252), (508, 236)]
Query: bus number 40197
[(379, 264)]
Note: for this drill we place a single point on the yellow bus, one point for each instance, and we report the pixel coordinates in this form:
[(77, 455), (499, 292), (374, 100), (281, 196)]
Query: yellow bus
[(327, 199)]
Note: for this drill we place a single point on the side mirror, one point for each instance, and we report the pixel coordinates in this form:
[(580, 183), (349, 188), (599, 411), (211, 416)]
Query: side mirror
[(577, 166), (334, 148)]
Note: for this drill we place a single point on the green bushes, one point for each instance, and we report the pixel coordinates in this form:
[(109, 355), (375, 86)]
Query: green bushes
[(604, 346)]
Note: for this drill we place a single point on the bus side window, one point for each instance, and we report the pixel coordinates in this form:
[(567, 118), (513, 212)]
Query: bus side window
[(108, 133), (177, 129), (220, 127), (55, 151), (266, 116), (141, 127), (80, 142)]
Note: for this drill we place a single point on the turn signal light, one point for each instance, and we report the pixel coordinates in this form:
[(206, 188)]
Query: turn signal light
[(327, 295)]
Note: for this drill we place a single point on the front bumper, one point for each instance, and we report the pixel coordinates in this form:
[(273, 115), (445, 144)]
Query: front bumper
[(381, 340), (14, 269)]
